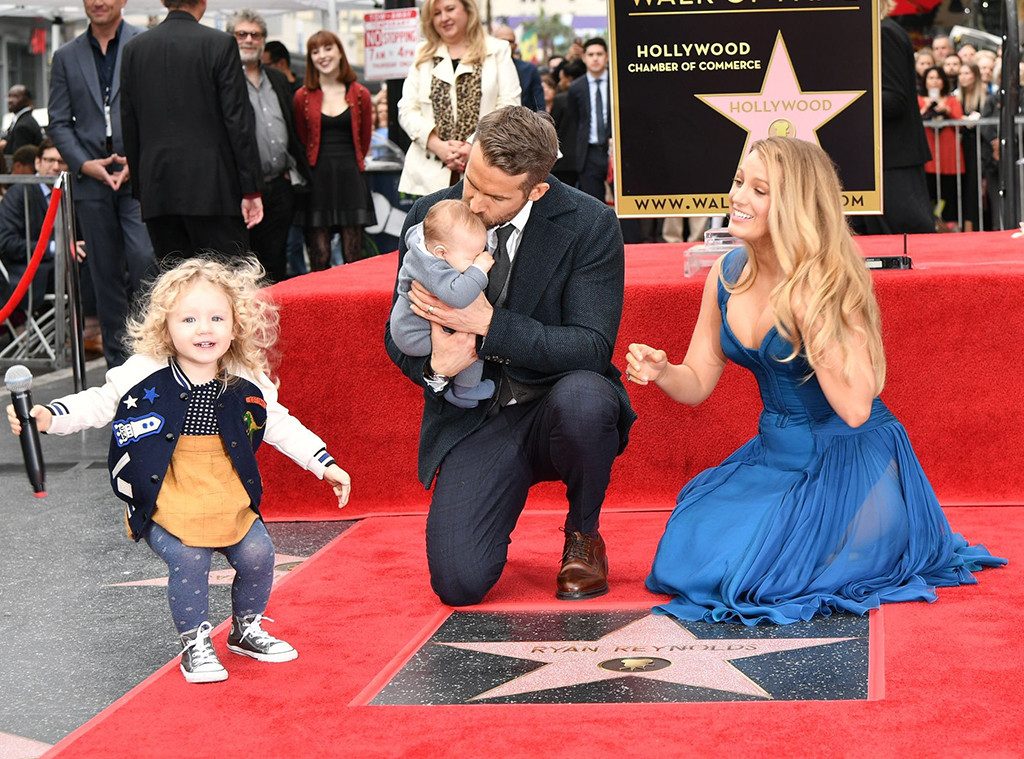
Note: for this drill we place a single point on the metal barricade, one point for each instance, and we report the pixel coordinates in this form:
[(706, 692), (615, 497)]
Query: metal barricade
[(977, 191), (51, 335)]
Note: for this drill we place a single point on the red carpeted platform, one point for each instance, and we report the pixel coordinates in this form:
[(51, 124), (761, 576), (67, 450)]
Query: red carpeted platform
[(361, 604), (954, 332)]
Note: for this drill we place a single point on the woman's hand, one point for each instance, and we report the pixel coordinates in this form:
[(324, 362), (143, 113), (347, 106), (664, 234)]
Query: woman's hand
[(644, 363), (461, 156), (40, 413), (341, 483), (448, 152), (455, 156)]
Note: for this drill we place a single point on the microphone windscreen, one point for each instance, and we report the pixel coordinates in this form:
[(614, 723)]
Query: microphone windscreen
[(18, 379)]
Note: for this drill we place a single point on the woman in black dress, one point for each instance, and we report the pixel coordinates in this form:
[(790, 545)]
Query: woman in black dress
[(334, 119)]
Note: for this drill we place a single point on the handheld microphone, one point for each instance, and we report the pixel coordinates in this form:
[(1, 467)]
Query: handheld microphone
[(19, 380)]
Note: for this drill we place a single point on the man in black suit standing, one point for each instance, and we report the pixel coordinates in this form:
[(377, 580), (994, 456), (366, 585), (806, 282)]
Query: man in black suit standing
[(24, 129), (545, 329), (590, 105), (565, 167), (282, 156), (189, 135), (907, 208), (85, 124), (532, 93)]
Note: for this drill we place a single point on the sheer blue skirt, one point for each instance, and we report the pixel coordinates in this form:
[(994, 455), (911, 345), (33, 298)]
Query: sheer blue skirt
[(806, 519)]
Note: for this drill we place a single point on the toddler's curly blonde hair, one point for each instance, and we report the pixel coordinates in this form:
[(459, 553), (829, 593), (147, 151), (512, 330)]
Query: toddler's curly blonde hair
[(255, 315)]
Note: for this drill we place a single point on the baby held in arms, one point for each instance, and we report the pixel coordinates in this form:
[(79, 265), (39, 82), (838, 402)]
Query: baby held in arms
[(447, 254)]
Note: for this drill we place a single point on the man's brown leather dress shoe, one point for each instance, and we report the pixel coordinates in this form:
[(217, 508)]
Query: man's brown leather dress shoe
[(584, 571), (92, 347)]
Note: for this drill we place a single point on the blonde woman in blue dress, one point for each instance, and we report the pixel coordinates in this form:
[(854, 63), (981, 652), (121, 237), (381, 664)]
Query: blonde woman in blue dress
[(827, 508)]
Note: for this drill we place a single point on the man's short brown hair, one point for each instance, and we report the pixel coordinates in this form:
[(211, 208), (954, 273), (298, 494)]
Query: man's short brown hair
[(446, 214), (46, 144), (518, 141)]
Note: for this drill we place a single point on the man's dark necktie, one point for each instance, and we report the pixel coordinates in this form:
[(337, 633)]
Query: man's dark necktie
[(498, 275), (495, 287), (602, 124)]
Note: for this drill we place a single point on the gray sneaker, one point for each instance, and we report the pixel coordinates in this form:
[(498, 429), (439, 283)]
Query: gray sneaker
[(249, 639), (199, 662)]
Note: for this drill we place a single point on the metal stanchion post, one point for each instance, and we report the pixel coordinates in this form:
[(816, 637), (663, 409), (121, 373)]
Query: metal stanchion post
[(60, 288), (66, 242), (30, 296), (979, 175), (1010, 88)]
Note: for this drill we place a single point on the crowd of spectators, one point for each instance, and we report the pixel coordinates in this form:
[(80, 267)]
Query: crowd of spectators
[(960, 83)]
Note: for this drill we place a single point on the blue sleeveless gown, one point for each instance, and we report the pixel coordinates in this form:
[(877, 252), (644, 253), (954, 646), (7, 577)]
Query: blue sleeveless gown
[(811, 515)]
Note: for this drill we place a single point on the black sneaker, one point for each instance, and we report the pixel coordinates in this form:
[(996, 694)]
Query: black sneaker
[(199, 662), (249, 639)]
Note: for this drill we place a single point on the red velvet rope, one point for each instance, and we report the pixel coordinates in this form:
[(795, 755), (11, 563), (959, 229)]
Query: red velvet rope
[(37, 256)]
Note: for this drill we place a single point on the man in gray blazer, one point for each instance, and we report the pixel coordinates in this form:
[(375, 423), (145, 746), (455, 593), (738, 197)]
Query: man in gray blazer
[(545, 329), (85, 125)]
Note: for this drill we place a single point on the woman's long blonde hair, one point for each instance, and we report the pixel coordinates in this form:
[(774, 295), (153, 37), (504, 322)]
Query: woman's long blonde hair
[(255, 315), (476, 38), (822, 269), (973, 99)]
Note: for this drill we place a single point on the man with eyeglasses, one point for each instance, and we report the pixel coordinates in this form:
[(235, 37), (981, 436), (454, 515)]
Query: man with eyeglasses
[(85, 125), (15, 240), (190, 135), (283, 160)]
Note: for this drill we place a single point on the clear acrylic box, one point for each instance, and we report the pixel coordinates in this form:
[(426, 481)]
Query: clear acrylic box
[(716, 242)]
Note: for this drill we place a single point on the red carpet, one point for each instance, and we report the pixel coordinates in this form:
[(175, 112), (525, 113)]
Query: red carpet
[(951, 670), (954, 328)]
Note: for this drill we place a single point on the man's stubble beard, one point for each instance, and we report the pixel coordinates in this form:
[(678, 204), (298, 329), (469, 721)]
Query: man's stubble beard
[(493, 223)]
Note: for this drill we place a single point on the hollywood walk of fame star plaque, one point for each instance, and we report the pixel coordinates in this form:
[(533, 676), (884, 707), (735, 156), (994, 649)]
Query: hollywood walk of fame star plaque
[(695, 82), (283, 563), (630, 657)]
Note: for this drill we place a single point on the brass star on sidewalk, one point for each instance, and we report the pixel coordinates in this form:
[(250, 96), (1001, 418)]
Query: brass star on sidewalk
[(781, 108), (654, 647)]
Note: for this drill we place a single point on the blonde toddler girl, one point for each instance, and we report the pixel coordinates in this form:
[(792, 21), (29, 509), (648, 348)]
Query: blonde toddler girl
[(189, 409)]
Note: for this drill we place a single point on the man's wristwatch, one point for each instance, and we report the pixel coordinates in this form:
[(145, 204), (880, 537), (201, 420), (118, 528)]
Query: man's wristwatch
[(436, 382)]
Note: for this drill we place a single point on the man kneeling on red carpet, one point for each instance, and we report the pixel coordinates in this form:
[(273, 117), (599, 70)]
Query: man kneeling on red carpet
[(545, 329)]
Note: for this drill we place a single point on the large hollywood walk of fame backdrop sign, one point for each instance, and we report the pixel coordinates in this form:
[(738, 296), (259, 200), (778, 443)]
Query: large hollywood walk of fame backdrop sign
[(697, 81)]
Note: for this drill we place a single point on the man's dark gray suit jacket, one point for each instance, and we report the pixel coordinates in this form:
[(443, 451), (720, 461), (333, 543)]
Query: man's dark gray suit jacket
[(561, 314), (77, 125)]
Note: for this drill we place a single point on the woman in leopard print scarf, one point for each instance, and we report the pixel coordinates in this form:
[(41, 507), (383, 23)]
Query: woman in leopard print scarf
[(460, 74)]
